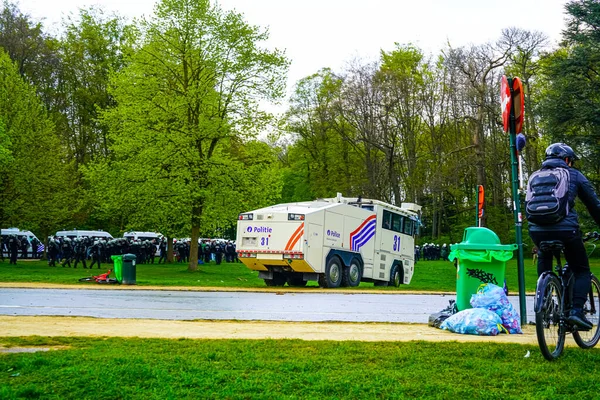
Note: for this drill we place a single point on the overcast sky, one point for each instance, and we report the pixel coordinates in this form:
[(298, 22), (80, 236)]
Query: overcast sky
[(329, 33)]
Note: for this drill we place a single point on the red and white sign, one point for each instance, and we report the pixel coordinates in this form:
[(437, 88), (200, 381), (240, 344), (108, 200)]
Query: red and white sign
[(505, 102), (519, 102)]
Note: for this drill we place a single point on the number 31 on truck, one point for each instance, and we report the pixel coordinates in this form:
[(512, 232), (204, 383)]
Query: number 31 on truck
[(336, 242)]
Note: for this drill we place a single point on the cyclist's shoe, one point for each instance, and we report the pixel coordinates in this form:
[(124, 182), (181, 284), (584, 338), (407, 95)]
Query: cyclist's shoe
[(577, 318)]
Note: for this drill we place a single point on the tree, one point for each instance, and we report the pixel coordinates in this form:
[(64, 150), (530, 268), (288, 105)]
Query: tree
[(360, 105), (90, 49), (323, 151), (35, 188), (23, 40), (524, 62), (571, 100), (402, 77), (190, 89)]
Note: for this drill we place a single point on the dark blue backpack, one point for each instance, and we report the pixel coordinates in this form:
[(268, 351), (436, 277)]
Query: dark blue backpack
[(547, 199)]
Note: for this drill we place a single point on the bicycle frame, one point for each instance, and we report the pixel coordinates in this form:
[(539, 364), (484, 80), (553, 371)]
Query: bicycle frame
[(552, 313), (559, 272)]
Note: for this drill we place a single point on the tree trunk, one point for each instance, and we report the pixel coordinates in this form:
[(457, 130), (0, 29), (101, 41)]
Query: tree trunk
[(169, 249), (193, 265), (196, 213)]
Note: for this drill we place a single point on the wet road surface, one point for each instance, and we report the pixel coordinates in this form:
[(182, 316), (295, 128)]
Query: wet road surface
[(243, 306)]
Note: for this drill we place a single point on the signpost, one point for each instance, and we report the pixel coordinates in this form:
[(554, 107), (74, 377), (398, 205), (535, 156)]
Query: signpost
[(513, 107), (480, 203)]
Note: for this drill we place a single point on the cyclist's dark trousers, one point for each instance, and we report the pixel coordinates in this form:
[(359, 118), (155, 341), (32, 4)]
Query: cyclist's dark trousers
[(574, 254)]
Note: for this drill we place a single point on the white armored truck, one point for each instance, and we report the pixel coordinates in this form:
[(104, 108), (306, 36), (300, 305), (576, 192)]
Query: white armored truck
[(337, 242)]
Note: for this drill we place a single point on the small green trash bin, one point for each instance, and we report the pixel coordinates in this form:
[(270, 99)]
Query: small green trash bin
[(481, 259), (118, 267), (129, 269)]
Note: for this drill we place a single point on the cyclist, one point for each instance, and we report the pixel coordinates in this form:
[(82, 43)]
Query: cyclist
[(560, 155)]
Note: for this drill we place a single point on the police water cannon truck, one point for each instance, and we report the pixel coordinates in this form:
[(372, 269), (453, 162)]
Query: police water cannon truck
[(337, 242)]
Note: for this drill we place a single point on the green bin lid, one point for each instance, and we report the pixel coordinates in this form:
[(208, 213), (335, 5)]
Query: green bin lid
[(478, 238), (129, 257)]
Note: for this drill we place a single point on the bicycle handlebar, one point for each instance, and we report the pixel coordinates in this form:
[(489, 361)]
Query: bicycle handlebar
[(593, 236)]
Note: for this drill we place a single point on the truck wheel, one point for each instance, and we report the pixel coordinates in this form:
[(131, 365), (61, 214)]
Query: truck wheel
[(352, 274), (395, 276), (333, 273), (278, 280), (297, 280)]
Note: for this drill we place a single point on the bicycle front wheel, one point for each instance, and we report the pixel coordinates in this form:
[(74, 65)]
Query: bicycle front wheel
[(591, 309), (550, 333)]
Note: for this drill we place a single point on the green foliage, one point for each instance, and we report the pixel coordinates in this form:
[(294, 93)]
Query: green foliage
[(31, 49), (160, 117), (6, 157), (247, 179), (90, 50), (324, 154), (187, 107), (571, 103), (35, 189)]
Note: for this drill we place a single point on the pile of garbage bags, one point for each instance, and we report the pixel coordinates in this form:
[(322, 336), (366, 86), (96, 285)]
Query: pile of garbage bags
[(492, 313)]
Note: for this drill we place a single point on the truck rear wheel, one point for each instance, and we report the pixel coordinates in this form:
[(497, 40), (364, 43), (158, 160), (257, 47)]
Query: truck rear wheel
[(396, 276), (352, 274), (278, 280), (332, 277)]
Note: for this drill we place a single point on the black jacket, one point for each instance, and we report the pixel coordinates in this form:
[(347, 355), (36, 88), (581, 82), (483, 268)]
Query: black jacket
[(579, 187)]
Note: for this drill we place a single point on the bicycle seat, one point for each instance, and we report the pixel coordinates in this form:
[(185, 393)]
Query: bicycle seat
[(551, 245)]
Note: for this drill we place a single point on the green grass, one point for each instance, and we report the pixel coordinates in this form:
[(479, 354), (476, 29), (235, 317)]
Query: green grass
[(429, 276), (116, 368), (174, 274)]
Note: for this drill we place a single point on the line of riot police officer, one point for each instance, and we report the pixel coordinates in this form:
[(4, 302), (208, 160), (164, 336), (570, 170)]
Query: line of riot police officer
[(13, 244), (216, 249), (70, 252), (434, 252), (97, 250)]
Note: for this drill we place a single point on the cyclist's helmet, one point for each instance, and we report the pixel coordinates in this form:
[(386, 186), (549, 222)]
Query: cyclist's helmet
[(562, 151)]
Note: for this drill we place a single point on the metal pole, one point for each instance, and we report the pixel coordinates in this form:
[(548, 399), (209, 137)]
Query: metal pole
[(517, 208)]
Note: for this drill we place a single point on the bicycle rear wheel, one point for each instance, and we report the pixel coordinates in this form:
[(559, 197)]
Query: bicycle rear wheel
[(550, 333), (588, 339), (87, 279)]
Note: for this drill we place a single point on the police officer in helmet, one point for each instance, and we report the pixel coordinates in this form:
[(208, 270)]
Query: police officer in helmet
[(566, 230)]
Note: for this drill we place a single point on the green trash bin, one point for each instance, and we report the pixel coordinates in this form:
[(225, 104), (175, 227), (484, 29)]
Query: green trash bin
[(118, 267), (129, 269), (481, 259)]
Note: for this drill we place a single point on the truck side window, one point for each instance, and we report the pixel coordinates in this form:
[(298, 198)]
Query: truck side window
[(397, 223), (408, 227), (387, 220)]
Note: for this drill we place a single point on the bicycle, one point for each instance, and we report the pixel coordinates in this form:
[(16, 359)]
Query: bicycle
[(553, 299), (102, 278)]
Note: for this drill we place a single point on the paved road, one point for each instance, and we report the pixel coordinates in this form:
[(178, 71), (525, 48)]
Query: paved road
[(246, 306)]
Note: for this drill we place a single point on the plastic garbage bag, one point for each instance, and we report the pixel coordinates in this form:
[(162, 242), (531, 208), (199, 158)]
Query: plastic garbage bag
[(437, 318), (474, 321), (493, 298)]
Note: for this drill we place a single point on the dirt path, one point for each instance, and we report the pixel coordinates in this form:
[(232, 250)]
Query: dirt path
[(96, 327)]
